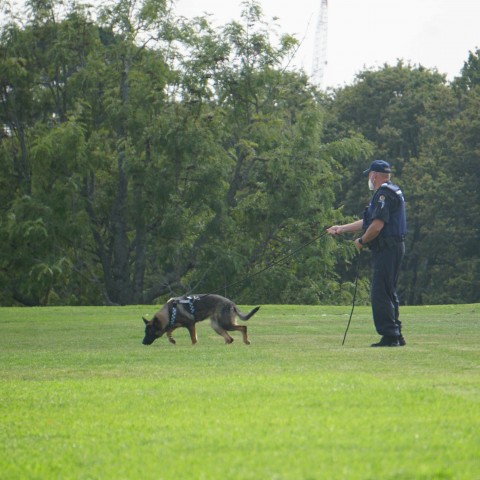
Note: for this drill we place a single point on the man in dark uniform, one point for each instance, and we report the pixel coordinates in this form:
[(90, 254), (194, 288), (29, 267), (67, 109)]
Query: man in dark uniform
[(384, 227)]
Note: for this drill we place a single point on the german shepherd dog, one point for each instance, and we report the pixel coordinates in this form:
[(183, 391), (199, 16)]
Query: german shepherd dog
[(187, 311)]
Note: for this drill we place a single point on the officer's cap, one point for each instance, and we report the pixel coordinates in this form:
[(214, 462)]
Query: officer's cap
[(380, 166)]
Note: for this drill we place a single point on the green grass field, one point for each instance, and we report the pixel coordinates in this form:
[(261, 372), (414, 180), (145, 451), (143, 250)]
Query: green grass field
[(82, 398)]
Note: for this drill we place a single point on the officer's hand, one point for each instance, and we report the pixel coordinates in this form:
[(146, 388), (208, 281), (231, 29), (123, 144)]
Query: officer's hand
[(335, 230), (358, 244)]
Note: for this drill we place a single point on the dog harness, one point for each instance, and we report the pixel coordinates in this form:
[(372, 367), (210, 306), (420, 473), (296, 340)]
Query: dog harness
[(185, 301)]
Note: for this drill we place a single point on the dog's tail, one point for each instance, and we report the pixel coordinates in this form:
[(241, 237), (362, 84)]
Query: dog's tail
[(246, 316)]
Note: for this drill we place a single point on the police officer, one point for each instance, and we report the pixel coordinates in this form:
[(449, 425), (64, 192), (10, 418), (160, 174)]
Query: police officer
[(383, 227)]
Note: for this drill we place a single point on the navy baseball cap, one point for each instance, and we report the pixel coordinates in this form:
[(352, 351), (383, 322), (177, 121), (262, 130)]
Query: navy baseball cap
[(380, 166)]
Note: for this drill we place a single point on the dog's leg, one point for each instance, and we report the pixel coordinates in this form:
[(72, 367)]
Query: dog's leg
[(169, 335), (193, 333), (239, 328), (225, 321), (243, 329), (221, 331)]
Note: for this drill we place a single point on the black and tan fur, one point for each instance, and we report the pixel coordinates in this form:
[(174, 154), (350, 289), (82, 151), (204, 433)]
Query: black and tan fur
[(221, 311)]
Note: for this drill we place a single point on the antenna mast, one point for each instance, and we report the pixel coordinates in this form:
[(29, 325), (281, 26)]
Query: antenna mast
[(319, 63)]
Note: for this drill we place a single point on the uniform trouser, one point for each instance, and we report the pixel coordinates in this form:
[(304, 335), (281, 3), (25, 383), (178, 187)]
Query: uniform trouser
[(384, 298)]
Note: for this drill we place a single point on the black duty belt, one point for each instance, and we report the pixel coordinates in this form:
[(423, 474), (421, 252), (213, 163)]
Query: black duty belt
[(382, 242)]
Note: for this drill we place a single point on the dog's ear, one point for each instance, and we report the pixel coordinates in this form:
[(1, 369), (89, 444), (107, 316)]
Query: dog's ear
[(145, 321)]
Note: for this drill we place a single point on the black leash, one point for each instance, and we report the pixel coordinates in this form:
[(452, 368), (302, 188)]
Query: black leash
[(273, 264), (353, 304)]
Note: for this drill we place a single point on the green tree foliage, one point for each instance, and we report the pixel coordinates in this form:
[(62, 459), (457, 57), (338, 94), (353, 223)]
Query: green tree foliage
[(449, 196), (278, 187), (144, 156), (40, 150)]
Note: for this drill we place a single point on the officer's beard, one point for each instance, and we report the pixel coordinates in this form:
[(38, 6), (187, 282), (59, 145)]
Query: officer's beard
[(371, 186)]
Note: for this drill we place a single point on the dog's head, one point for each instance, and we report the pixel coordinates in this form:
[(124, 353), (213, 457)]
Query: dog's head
[(153, 330)]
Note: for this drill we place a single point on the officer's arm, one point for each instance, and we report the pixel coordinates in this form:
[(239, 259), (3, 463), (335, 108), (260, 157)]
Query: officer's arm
[(373, 230), (347, 228), (370, 234)]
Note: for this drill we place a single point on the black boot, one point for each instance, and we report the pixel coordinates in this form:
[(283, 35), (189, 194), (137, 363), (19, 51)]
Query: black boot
[(401, 340), (388, 341)]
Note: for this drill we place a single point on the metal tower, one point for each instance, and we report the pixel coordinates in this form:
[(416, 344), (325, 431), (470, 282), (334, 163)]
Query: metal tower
[(319, 63)]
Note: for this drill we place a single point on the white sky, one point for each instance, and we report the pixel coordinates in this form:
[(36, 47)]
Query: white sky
[(368, 33), (365, 33)]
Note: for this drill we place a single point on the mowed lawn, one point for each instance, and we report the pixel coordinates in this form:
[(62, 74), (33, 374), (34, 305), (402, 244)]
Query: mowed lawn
[(82, 398)]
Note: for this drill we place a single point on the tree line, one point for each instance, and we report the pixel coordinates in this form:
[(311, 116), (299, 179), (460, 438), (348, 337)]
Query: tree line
[(144, 155)]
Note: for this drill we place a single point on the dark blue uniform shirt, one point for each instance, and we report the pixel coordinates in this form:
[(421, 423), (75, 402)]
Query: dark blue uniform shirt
[(387, 204)]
